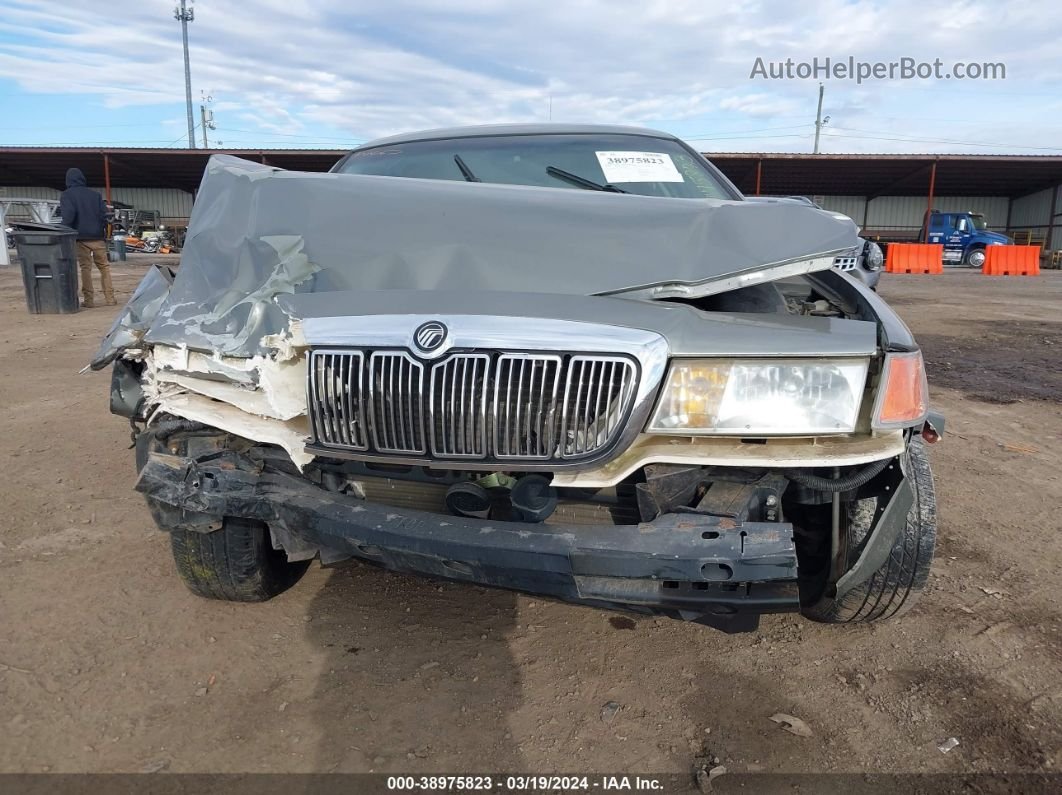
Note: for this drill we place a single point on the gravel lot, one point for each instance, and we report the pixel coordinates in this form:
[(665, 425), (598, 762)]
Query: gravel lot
[(108, 664)]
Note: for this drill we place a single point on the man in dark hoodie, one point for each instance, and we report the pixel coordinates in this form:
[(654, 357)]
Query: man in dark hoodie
[(83, 209)]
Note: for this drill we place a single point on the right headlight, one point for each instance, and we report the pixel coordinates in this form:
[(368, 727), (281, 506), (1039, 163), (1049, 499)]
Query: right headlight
[(760, 397), (874, 256)]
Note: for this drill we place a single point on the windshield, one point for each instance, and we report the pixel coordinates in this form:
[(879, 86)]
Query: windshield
[(979, 222), (622, 163)]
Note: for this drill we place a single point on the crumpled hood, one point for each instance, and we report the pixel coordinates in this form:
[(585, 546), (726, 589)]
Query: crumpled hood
[(257, 233)]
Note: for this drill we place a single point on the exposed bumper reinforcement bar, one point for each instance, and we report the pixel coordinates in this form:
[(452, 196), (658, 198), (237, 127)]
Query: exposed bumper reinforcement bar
[(707, 569)]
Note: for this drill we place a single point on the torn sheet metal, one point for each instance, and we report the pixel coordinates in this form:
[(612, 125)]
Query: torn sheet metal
[(127, 331), (258, 233), (290, 435), (259, 385)]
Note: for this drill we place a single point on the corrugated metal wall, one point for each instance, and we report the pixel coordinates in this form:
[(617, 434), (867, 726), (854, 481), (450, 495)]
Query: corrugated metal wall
[(174, 205), (30, 193), (905, 213), (908, 212), (1032, 213), (852, 206), (169, 202)]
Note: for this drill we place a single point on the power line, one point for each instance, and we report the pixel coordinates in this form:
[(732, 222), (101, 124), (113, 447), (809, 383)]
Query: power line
[(908, 139), (723, 134), (283, 135), (37, 128), (753, 137)]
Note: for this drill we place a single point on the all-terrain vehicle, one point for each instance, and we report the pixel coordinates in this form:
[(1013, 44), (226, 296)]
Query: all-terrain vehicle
[(569, 361)]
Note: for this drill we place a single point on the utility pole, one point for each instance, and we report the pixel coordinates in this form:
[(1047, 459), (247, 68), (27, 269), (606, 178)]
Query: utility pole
[(185, 15), (818, 118), (207, 117)]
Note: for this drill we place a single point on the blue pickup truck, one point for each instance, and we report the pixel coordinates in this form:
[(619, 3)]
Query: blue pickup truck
[(965, 236)]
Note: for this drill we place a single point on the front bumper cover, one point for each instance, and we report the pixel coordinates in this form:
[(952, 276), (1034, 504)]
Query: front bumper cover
[(709, 569)]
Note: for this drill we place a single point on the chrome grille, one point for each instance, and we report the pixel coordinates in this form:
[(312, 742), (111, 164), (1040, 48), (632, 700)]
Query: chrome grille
[(845, 263), (532, 407), (525, 405), (337, 396), (597, 390), (458, 402), (396, 419)]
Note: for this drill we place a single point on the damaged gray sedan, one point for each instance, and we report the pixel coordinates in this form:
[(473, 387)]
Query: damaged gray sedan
[(566, 361)]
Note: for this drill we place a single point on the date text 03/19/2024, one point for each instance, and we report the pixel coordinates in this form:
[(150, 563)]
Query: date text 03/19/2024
[(523, 783)]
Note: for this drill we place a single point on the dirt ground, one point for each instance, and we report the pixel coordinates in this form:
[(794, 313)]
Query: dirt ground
[(107, 663)]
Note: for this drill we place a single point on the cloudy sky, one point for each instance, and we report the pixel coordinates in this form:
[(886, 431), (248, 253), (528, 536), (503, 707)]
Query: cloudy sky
[(331, 73)]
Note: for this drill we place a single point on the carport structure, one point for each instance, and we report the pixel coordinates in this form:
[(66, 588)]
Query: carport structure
[(178, 169), (887, 194), (1025, 187)]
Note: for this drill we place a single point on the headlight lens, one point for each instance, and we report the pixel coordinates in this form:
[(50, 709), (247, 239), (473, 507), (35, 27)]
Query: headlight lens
[(760, 397), (875, 259)]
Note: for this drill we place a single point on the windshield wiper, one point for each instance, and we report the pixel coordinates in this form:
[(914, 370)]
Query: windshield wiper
[(465, 170), (581, 182)]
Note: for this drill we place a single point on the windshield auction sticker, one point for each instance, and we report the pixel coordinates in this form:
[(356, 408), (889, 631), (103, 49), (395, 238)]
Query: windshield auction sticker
[(638, 167)]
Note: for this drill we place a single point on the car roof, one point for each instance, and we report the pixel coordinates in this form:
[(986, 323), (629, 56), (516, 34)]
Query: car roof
[(515, 129)]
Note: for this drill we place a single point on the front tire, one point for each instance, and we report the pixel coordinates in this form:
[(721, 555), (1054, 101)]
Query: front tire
[(894, 588), (236, 563), (975, 258)]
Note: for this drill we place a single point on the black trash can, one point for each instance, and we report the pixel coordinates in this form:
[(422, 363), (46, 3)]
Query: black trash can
[(48, 253)]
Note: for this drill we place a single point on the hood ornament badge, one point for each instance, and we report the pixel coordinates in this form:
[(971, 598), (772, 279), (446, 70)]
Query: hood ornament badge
[(429, 336)]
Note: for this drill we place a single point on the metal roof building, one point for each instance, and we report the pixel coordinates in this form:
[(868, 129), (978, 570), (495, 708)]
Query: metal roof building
[(886, 194)]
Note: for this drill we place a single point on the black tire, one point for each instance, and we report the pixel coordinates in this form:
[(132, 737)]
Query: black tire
[(894, 588), (236, 563), (976, 251)]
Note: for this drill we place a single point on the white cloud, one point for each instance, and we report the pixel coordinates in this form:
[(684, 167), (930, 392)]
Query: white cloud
[(762, 105), (374, 67)]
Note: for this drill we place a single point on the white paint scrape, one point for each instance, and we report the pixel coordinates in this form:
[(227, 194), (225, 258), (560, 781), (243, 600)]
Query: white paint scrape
[(260, 398), (290, 435)]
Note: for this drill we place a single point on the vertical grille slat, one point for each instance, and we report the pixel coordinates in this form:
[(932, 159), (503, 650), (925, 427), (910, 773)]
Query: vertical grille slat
[(602, 393), (313, 401), (459, 441), (413, 399), (505, 406), (390, 431), (330, 382), (449, 400), (335, 383), (610, 418)]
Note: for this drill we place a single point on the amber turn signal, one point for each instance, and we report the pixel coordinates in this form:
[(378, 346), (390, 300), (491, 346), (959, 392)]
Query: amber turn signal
[(903, 394)]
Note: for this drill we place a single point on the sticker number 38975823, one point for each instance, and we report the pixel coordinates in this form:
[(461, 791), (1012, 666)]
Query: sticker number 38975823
[(638, 167)]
